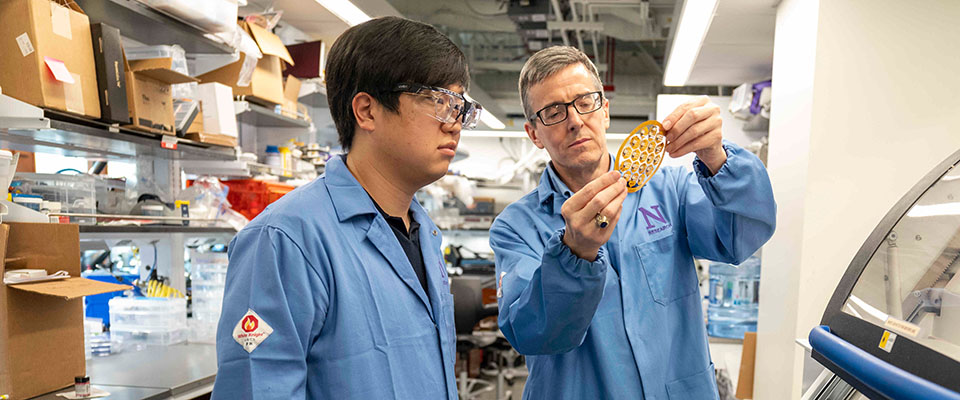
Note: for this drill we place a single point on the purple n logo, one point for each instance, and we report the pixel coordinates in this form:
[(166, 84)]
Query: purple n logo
[(647, 215)]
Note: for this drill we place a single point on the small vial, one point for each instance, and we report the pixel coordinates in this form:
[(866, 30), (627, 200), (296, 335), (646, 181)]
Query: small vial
[(81, 386)]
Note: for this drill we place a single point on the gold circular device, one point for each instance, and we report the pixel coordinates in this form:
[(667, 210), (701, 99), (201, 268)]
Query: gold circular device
[(640, 154)]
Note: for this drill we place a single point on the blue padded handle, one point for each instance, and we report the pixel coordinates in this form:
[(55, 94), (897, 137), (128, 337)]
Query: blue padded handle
[(875, 373)]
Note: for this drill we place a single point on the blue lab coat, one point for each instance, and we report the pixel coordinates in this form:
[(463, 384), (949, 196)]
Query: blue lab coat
[(628, 325), (350, 319)]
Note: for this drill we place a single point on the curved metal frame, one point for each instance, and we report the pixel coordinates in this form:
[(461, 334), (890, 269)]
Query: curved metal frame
[(907, 354)]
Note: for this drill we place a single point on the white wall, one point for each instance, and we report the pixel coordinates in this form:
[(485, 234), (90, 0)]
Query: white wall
[(864, 104)]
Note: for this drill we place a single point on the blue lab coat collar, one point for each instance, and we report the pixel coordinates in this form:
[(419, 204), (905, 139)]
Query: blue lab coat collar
[(350, 199)]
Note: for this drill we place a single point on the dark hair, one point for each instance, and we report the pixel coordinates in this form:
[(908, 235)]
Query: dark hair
[(376, 55)]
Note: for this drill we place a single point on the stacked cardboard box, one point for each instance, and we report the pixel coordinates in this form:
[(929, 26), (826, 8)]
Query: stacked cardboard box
[(148, 94), (46, 55), (266, 83)]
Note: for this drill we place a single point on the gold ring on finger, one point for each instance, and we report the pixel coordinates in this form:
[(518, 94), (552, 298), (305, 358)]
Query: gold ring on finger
[(601, 221)]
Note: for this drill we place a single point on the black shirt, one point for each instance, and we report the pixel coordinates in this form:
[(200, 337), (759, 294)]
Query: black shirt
[(409, 241)]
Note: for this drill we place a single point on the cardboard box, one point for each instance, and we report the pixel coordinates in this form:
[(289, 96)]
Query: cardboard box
[(148, 94), (197, 125), (291, 95), (111, 73), (748, 360), (219, 115), (46, 55), (266, 83), (309, 58), (212, 138), (41, 340)]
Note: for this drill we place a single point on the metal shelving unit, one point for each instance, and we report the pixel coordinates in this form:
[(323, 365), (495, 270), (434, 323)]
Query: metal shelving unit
[(260, 116), (146, 25), (154, 229), (61, 134)]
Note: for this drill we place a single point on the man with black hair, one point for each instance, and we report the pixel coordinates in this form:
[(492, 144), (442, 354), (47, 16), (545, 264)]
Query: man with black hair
[(338, 290)]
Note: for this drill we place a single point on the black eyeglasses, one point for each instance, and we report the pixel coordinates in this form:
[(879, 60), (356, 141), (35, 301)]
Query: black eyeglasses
[(557, 113), (449, 106)]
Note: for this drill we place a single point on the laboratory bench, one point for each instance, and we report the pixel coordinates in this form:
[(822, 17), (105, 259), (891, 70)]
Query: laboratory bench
[(182, 371)]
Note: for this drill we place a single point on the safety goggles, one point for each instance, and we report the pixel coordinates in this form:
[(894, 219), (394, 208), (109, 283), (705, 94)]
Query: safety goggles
[(557, 113), (449, 106)]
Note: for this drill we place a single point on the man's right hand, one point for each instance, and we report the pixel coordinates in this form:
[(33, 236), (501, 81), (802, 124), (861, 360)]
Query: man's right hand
[(603, 195)]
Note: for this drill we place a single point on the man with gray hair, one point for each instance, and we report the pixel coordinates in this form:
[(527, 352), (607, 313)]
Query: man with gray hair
[(597, 287)]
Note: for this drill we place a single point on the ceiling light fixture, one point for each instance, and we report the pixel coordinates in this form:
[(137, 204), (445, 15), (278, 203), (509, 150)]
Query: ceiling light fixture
[(691, 29), (490, 120), (346, 11)]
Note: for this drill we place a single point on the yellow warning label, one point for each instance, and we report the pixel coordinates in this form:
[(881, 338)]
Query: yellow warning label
[(887, 340)]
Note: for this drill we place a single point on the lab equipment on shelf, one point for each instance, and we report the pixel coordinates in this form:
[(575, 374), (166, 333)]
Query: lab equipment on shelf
[(75, 193)]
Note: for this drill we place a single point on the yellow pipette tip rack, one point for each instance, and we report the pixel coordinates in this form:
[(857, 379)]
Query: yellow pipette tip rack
[(640, 154)]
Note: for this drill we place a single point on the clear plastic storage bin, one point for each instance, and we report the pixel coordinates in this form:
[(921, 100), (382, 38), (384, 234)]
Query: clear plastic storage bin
[(148, 312), (139, 339), (207, 281), (211, 15), (136, 322), (75, 193)]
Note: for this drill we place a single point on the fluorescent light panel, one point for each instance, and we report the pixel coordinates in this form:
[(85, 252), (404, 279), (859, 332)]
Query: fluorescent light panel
[(346, 11), (691, 29), (490, 120)]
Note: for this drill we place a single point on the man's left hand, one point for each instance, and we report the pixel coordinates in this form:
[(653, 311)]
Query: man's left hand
[(695, 126)]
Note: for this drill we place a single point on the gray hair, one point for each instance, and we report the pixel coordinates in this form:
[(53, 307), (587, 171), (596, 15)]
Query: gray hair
[(547, 62)]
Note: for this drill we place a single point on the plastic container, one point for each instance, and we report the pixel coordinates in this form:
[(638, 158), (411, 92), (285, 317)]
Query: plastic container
[(139, 339), (137, 322), (273, 157), (734, 298), (6, 161), (112, 196), (286, 160), (250, 197), (75, 193), (211, 15), (148, 312), (208, 279)]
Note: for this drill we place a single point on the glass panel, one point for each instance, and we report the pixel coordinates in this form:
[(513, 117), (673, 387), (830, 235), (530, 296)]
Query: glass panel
[(911, 285)]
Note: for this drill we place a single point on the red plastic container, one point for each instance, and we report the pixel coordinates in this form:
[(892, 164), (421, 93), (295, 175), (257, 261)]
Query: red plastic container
[(250, 197)]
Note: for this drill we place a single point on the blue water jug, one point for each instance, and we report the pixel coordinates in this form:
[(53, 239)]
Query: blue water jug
[(734, 298)]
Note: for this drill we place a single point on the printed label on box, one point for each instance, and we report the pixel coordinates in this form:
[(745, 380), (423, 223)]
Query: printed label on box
[(26, 47), (60, 18)]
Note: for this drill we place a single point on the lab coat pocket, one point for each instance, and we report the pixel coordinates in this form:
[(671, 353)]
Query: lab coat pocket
[(700, 386), (667, 278), (448, 330)]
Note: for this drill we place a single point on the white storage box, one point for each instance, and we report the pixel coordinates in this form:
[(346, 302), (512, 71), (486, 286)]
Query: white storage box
[(219, 116)]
